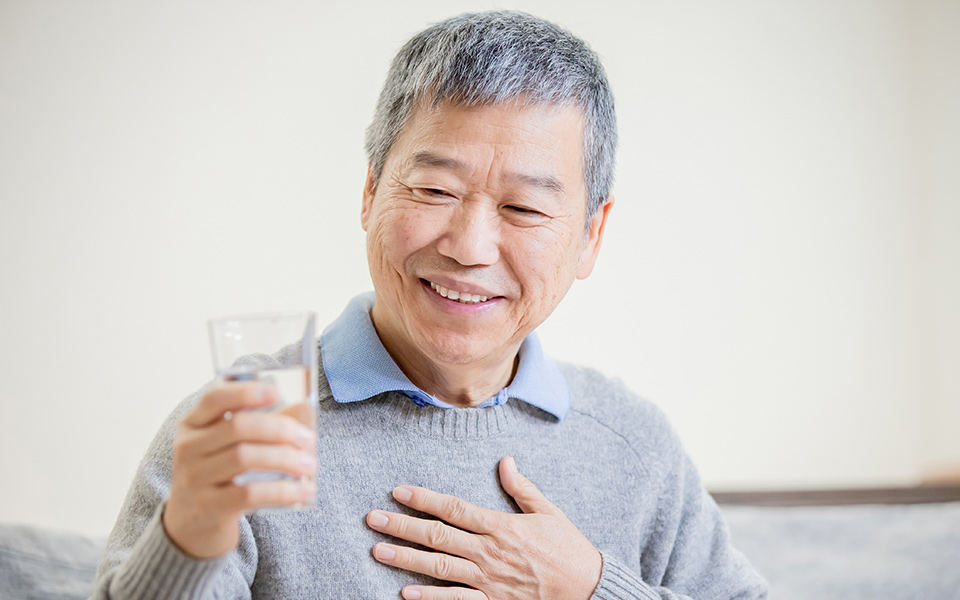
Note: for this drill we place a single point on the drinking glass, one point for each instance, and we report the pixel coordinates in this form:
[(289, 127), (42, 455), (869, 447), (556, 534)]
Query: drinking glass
[(274, 348)]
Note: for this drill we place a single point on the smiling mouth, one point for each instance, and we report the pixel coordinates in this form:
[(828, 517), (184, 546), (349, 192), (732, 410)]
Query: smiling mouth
[(461, 297)]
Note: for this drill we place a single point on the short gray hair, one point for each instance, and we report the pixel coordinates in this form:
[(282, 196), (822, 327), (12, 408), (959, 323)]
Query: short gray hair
[(489, 58)]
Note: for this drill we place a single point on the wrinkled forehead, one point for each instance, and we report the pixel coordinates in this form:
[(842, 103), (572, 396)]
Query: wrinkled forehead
[(552, 132), (514, 119)]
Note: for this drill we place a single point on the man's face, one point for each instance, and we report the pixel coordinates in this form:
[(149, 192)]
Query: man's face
[(476, 229)]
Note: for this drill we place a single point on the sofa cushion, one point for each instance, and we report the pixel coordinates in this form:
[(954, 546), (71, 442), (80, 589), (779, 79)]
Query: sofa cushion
[(38, 563), (861, 552)]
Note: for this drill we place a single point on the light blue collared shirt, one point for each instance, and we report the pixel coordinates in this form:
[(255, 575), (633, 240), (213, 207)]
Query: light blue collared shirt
[(358, 367)]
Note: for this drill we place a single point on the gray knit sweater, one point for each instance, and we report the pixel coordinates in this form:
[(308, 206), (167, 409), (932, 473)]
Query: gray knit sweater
[(613, 465)]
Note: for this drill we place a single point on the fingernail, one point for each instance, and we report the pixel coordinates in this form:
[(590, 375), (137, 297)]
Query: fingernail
[(377, 519), (261, 393), (511, 465), (304, 434), (309, 489), (306, 460), (411, 594), (403, 494), (383, 552)]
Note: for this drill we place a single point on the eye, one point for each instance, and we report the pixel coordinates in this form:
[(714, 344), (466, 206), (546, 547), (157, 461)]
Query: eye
[(525, 211), (431, 195)]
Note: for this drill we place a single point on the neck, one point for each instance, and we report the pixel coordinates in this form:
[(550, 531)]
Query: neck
[(463, 385)]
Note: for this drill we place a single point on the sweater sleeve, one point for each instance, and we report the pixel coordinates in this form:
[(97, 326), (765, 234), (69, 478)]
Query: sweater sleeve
[(619, 582), (155, 568), (140, 561)]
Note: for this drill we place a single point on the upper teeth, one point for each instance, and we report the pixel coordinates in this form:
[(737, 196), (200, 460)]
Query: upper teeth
[(461, 297)]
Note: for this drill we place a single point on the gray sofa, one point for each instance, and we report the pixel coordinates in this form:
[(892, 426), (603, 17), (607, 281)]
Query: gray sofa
[(856, 552), (40, 564)]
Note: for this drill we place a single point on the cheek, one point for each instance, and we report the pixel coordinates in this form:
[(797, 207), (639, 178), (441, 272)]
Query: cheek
[(545, 265), (397, 232)]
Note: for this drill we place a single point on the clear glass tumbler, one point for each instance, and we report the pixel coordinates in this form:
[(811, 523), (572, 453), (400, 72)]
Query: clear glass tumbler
[(276, 348)]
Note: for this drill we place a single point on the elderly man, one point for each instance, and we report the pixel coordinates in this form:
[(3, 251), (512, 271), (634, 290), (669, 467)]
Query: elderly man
[(455, 460)]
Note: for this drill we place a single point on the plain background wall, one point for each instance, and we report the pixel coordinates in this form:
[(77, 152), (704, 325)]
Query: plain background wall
[(781, 275)]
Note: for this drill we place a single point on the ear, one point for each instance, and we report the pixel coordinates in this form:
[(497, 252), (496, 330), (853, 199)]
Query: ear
[(369, 191), (591, 248)]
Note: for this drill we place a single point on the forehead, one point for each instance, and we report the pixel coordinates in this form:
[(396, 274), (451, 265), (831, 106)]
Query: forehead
[(538, 136)]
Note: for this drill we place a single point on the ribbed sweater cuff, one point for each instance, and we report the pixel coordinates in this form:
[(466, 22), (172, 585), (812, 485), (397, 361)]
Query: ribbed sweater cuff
[(617, 582), (157, 569)]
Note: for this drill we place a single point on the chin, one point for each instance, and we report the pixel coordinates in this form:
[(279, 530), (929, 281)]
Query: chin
[(454, 349)]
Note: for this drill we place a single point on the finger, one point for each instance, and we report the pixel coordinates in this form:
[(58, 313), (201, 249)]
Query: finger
[(222, 467), (524, 492), (435, 564), (232, 396), (262, 494), (265, 428), (420, 592), (429, 533), (451, 509)]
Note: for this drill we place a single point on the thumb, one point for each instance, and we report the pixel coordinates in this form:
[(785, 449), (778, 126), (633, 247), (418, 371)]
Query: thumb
[(522, 490)]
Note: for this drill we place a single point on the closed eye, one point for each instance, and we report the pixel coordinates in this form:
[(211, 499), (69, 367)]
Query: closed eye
[(432, 195), (524, 210)]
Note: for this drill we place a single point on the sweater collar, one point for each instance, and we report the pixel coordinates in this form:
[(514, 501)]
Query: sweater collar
[(358, 367)]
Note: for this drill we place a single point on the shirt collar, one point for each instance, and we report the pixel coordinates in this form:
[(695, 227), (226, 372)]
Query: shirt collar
[(358, 367)]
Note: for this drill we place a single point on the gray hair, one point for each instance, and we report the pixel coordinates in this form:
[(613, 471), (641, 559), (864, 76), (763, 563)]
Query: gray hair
[(492, 57)]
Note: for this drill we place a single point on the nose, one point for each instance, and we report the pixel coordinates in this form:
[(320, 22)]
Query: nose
[(472, 236)]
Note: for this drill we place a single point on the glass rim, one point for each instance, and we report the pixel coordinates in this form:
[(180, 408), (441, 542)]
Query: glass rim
[(260, 316)]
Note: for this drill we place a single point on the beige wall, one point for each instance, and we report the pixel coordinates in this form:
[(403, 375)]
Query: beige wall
[(781, 274), (938, 185)]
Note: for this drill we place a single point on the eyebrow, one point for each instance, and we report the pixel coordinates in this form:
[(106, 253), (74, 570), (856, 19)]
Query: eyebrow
[(427, 159), (546, 182)]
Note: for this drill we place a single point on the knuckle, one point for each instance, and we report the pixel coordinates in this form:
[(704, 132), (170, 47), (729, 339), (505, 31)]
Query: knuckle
[(454, 508), (438, 535), (443, 567)]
